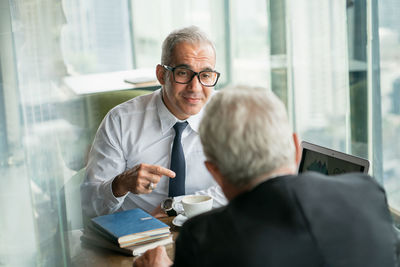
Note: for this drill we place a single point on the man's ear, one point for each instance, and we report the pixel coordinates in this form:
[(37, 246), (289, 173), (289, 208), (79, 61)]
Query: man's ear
[(160, 72), (213, 169), (297, 147)]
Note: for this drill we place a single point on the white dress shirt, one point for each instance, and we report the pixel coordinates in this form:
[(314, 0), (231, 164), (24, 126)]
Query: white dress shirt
[(141, 131)]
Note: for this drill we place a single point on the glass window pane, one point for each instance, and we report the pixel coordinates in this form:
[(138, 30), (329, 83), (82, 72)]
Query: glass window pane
[(43, 127), (249, 43), (96, 37), (389, 36), (318, 67)]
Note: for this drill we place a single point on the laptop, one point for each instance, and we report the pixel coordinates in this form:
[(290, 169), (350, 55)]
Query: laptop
[(328, 161)]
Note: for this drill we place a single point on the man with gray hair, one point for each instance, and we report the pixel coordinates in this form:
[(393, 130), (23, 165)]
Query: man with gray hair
[(147, 150), (275, 217)]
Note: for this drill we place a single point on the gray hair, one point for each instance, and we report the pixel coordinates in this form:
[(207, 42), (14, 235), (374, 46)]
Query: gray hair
[(245, 132), (190, 34)]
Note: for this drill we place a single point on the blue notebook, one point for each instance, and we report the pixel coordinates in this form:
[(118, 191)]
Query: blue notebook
[(127, 226)]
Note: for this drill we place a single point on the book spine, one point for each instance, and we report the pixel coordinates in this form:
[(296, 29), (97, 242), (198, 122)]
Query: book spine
[(144, 234), (145, 241)]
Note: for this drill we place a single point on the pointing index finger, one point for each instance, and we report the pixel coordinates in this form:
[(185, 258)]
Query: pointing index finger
[(162, 171)]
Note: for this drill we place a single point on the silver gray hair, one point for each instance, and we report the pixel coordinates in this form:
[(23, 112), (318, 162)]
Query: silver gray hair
[(245, 132), (190, 34)]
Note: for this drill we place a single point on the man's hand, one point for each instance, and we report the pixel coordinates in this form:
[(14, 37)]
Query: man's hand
[(138, 179), (156, 257)]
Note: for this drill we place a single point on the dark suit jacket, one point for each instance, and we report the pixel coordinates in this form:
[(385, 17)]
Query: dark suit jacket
[(307, 220)]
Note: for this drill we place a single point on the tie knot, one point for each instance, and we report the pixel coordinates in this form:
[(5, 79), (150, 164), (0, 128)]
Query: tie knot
[(180, 126)]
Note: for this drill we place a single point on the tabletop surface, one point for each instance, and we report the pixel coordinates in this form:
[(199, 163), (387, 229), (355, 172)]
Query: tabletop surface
[(86, 255)]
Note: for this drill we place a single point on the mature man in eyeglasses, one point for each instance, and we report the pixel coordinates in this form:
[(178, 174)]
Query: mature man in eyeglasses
[(147, 150)]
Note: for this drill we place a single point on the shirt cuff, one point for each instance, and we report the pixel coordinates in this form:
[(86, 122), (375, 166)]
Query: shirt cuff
[(113, 200)]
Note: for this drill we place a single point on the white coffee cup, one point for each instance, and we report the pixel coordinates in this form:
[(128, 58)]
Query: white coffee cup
[(194, 204)]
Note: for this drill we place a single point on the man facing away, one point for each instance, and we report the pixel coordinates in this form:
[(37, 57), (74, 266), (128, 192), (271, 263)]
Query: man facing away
[(274, 217), (130, 159)]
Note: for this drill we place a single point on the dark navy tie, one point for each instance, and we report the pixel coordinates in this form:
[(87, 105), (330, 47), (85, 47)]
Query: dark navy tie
[(178, 165)]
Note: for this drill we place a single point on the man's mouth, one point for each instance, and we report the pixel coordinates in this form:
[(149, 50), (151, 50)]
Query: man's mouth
[(192, 100)]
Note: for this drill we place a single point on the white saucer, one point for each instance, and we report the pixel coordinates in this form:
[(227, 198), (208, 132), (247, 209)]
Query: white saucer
[(179, 220)]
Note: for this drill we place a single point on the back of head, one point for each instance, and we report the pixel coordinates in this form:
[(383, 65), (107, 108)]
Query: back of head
[(246, 133), (190, 34)]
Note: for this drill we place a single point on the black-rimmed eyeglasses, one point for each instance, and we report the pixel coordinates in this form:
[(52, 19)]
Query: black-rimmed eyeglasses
[(184, 75)]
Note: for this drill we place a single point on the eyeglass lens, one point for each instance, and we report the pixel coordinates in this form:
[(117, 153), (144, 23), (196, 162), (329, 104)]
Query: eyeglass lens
[(183, 75)]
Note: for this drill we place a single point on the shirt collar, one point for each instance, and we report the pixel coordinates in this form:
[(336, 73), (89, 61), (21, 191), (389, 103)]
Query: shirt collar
[(168, 120)]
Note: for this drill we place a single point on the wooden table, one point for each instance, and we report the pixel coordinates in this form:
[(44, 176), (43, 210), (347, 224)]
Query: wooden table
[(86, 255)]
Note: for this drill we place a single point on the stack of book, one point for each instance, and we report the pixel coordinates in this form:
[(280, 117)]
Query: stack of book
[(130, 232)]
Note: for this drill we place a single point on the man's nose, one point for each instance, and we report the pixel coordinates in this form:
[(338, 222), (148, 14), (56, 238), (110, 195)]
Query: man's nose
[(195, 84)]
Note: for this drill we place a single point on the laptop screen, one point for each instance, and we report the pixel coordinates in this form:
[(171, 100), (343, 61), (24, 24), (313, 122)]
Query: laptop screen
[(329, 162)]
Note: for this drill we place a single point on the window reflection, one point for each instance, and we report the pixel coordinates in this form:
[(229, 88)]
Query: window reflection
[(43, 125)]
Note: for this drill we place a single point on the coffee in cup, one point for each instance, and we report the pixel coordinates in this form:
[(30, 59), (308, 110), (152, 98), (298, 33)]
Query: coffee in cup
[(195, 204)]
